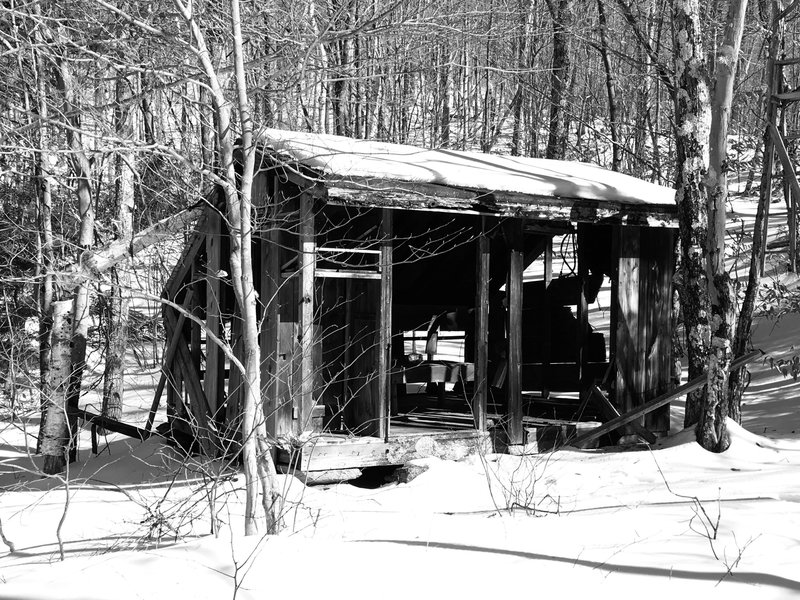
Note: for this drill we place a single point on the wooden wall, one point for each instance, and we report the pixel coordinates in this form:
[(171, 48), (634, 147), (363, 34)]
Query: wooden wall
[(643, 296)]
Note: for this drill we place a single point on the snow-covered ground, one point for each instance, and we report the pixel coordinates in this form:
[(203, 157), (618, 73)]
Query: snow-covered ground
[(651, 523)]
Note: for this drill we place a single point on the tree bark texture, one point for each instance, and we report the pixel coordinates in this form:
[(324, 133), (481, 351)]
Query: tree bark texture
[(712, 429), (54, 432), (692, 120), (117, 302), (259, 469), (739, 378), (616, 147), (562, 15), (44, 196)]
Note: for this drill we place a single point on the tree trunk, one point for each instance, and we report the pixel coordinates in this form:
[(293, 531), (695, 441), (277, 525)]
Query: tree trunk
[(616, 156), (54, 431), (256, 452), (739, 378), (692, 120), (81, 169), (712, 429), (117, 303), (44, 190), (561, 12)]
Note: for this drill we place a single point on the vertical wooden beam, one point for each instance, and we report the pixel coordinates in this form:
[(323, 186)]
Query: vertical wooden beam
[(213, 381), (791, 188), (658, 250), (482, 275), (627, 358), (546, 331), (514, 289), (582, 311), (268, 289), (307, 262), (384, 395)]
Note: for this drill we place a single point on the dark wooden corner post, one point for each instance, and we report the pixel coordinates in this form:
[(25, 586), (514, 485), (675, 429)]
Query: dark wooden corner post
[(643, 298), (270, 282), (480, 398), (582, 311), (628, 357), (308, 255), (384, 395), (515, 237), (214, 379)]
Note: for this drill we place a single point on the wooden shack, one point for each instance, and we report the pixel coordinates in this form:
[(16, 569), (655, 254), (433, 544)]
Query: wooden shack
[(413, 302)]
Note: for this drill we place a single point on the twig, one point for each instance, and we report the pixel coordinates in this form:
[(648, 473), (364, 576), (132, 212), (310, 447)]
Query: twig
[(6, 541)]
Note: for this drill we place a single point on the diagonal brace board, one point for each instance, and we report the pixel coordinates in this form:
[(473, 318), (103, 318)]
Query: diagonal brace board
[(610, 412), (656, 403), (176, 338)]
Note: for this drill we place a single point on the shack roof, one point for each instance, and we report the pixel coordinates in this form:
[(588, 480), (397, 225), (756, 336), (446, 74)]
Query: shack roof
[(367, 173)]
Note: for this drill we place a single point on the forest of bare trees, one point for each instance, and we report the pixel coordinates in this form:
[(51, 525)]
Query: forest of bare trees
[(116, 115)]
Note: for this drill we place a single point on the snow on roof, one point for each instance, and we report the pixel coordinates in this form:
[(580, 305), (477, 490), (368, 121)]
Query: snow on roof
[(340, 158)]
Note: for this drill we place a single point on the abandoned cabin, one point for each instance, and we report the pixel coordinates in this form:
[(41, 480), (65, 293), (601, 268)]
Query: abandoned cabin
[(429, 302)]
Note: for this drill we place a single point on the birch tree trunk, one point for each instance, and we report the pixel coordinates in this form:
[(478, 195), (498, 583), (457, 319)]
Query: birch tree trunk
[(712, 431), (259, 469), (692, 121), (117, 300), (45, 226), (64, 417)]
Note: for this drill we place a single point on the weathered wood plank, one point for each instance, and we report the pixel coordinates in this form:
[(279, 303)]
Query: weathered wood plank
[(609, 411), (113, 425), (308, 255), (516, 267), (505, 204), (482, 275), (663, 400), (174, 340), (214, 379), (348, 453), (270, 281), (385, 326), (628, 357), (656, 343), (786, 160), (191, 378)]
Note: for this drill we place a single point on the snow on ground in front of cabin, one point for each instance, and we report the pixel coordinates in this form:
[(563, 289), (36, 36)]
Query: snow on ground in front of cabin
[(614, 524)]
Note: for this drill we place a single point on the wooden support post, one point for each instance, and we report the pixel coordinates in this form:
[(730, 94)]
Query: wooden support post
[(384, 395), (582, 311), (481, 358), (514, 288), (628, 358), (214, 380), (308, 256), (643, 297), (269, 296), (546, 332), (655, 321)]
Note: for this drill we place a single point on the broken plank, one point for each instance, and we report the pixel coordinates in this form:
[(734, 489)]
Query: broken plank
[(662, 400), (168, 357), (191, 378), (113, 425), (609, 411)]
